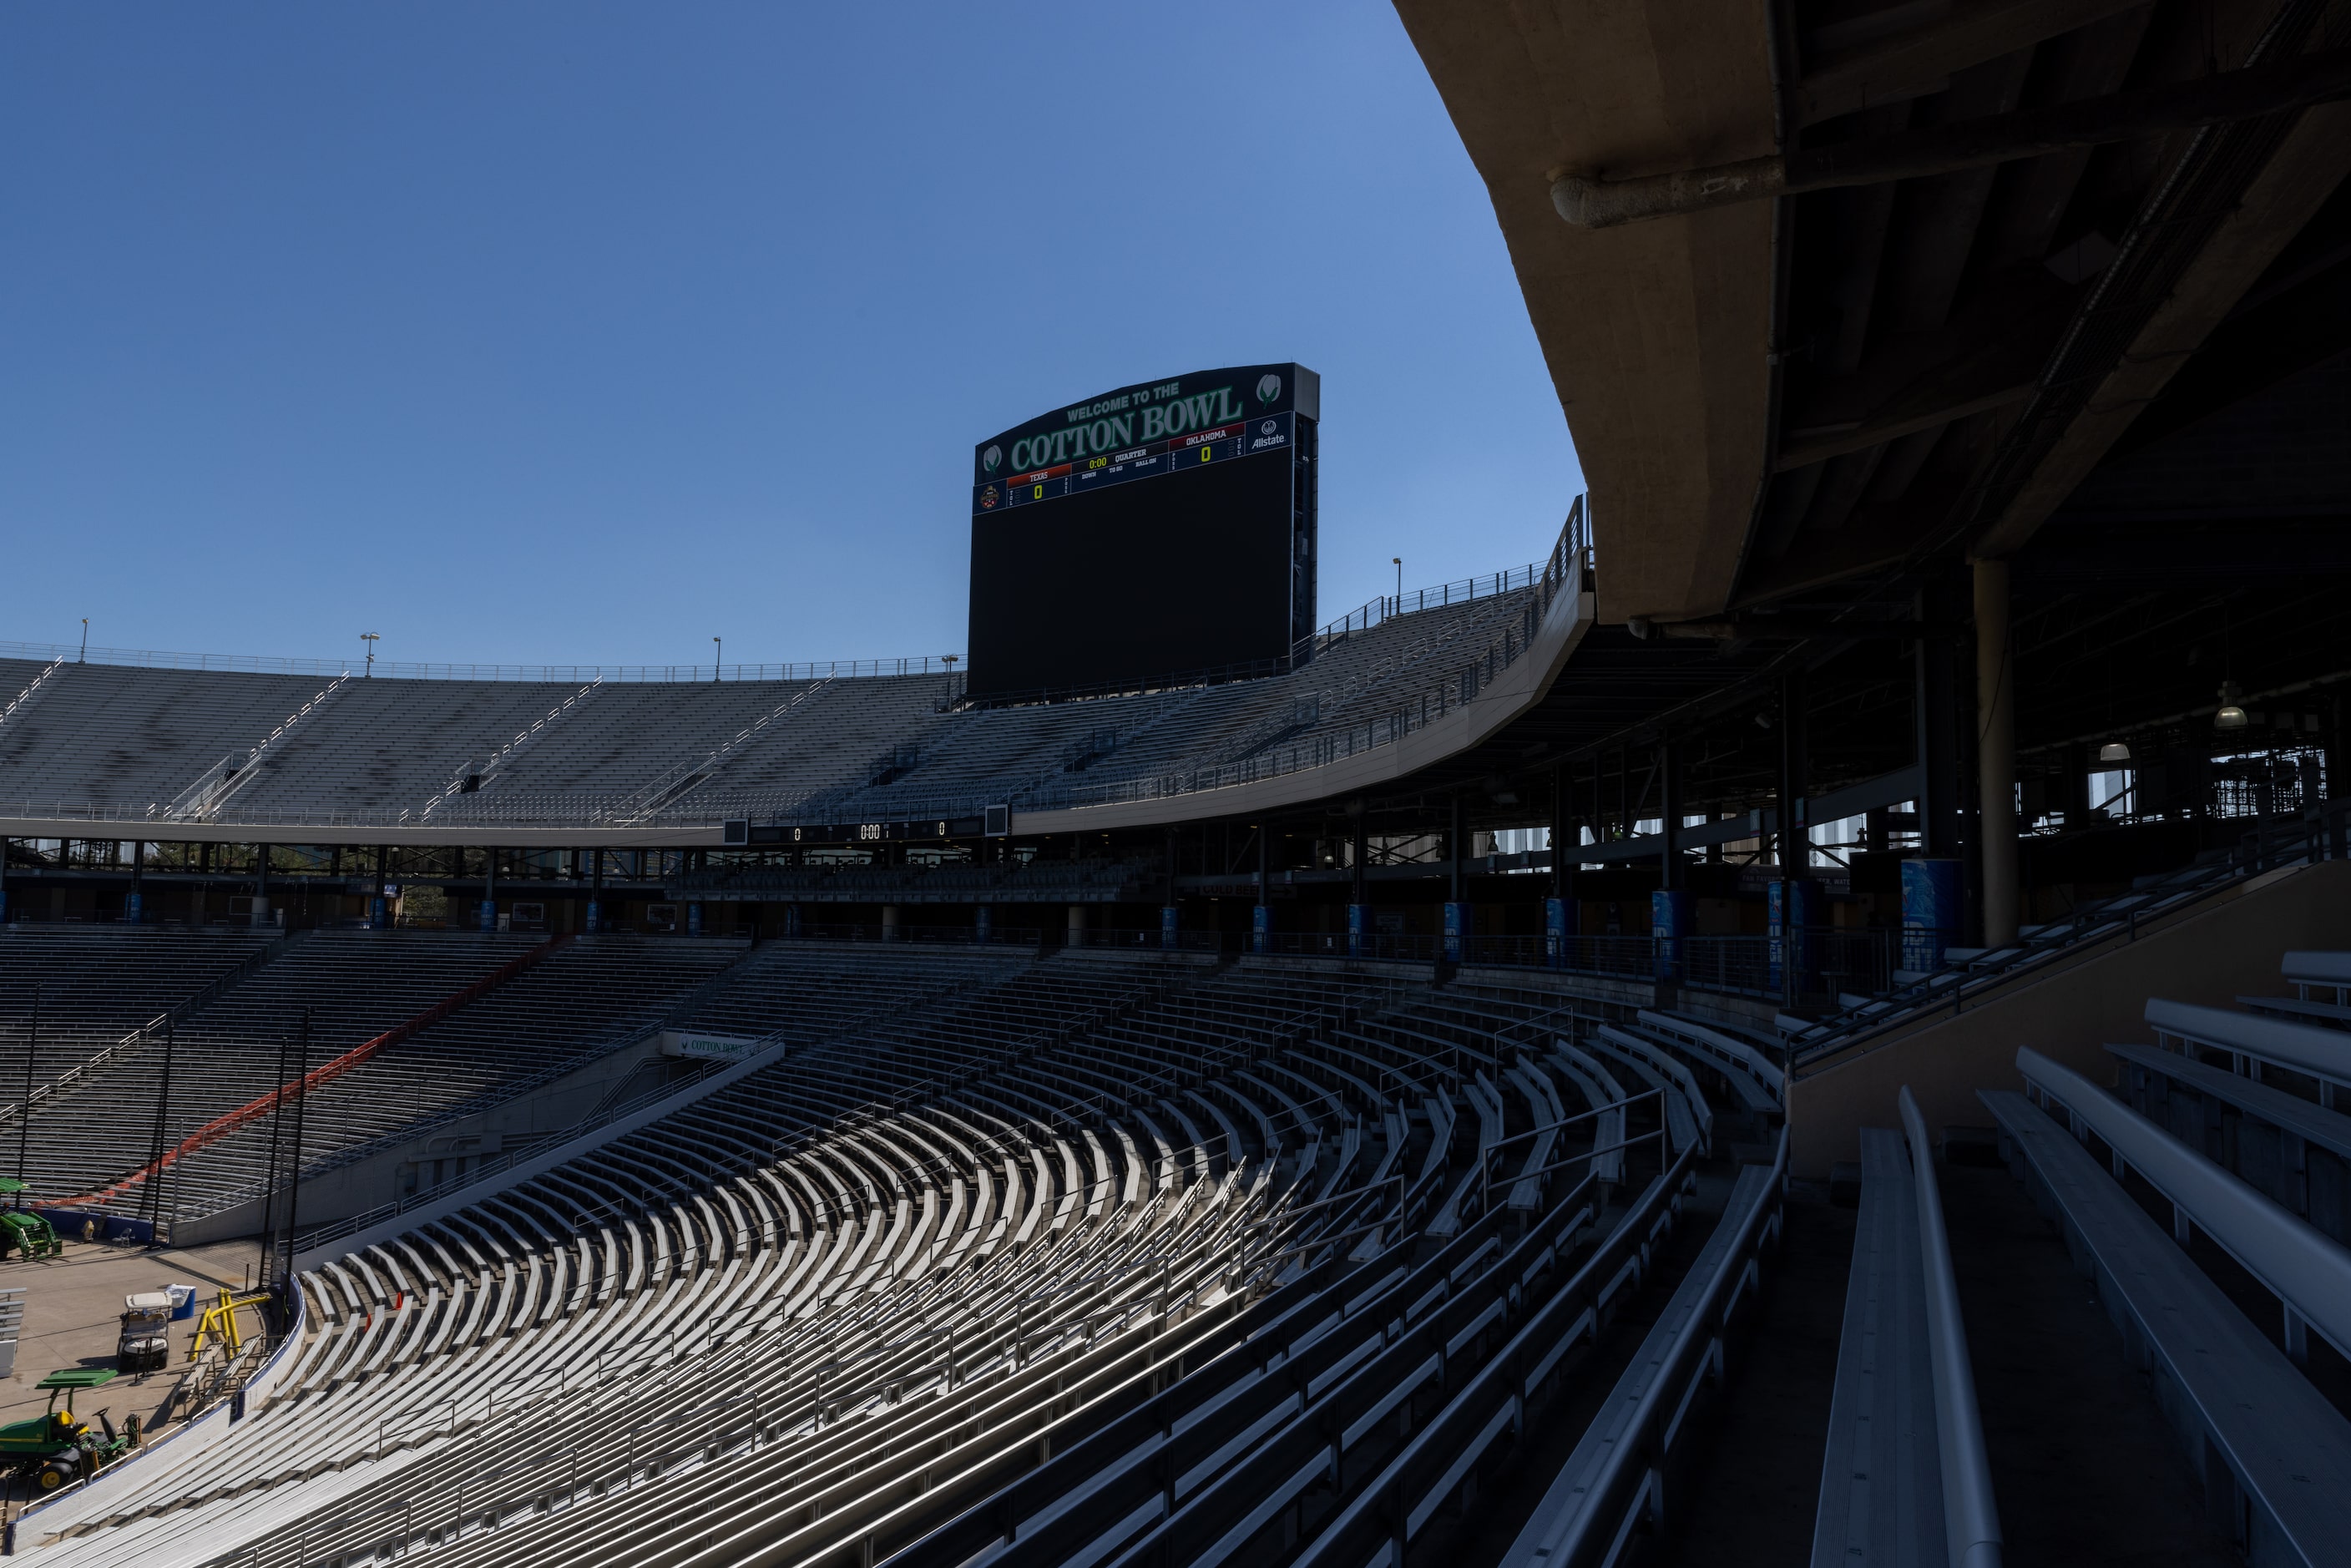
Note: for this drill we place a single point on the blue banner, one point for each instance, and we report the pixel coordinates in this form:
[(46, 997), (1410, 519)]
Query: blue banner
[(1931, 893)]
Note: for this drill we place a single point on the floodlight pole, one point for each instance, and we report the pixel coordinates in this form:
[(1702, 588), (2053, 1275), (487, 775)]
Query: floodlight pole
[(371, 639), (84, 639), (717, 659), (268, 1262), (294, 1181), (154, 1194), (1399, 565), (24, 1107)]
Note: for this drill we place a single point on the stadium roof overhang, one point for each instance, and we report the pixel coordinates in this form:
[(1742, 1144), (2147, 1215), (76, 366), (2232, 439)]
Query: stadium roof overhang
[(1525, 687), (1838, 298)]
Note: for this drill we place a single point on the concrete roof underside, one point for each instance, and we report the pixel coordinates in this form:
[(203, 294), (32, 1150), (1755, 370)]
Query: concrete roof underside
[(1804, 404)]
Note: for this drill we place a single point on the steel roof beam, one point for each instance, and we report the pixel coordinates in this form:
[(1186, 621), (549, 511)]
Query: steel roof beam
[(1590, 200)]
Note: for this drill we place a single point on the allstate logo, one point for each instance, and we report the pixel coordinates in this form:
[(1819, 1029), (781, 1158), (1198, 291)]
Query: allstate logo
[(1267, 428), (991, 458), (1268, 388)]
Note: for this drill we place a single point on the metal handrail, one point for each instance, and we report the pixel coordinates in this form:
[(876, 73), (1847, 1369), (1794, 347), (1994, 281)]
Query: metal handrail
[(32, 688), (1488, 1181), (1971, 1512), (1462, 683), (552, 675), (773, 1047), (1621, 1488), (2106, 920), (210, 991)]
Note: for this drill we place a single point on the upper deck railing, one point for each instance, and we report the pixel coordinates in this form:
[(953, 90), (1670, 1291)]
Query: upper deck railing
[(1421, 698), (384, 669)]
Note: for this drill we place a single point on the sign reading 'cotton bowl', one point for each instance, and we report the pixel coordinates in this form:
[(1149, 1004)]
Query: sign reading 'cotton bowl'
[(1162, 528)]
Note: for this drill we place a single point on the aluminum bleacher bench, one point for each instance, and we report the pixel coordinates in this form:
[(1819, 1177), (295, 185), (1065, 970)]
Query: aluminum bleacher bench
[(1881, 1481), (2316, 971), (2334, 1014), (1753, 1076), (2274, 1455), (1610, 1485), (2324, 1054), (1905, 1479), (2309, 1273), (2297, 1153)]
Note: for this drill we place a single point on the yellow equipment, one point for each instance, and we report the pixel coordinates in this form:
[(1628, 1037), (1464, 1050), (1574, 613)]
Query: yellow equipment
[(219, 1320)]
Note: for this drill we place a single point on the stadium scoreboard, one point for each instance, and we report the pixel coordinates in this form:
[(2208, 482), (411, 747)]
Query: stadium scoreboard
[(1161, 530)]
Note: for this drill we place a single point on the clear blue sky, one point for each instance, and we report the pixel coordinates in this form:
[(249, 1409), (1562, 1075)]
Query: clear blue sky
[(582, 332)]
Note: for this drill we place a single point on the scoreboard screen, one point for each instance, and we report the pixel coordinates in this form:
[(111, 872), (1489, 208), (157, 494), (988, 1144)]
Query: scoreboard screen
[(1162, 529)]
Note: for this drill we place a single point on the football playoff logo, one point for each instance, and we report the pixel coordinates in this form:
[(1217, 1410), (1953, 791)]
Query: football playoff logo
[(1268, 388), (991, 458)]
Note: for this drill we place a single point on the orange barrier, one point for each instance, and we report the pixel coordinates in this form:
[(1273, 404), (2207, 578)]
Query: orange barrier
[(219, 1127)]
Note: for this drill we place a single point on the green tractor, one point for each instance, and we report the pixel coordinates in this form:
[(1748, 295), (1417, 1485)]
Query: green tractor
[(54, 1450), (23, 1229)]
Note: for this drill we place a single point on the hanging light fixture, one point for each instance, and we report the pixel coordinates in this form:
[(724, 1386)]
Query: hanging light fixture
[(2230, 715), (2114, 751)]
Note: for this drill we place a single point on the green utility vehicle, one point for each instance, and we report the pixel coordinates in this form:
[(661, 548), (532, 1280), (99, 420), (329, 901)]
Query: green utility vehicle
[(58, 1448), (23, 1229)]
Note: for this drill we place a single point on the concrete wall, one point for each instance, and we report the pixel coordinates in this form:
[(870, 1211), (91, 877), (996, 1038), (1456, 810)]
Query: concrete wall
[(2212, 954), (370, 1182)]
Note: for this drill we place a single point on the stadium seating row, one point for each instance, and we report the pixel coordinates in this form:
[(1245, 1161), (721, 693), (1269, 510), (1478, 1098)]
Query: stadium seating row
[(2229, 1126), (133, 744), (1103, 1256)]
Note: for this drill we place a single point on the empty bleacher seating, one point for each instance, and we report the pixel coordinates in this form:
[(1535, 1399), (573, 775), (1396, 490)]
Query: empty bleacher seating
[(126, 743), (989, 1249)]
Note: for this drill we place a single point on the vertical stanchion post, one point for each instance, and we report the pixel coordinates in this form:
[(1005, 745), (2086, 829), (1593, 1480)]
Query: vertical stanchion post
[(25, 1105)]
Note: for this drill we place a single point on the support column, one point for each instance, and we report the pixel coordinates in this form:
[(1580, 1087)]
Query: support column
[(1457, 912), (1791, 906), (1996, 752), (889, 922), (1359, 904), (379, 907), (1555, 902), (132, 904), (486, 914), (261, 884), (4, 884), (595, 920), (1261, 916), (1670, 906), (1077, 930), (1169, 917)]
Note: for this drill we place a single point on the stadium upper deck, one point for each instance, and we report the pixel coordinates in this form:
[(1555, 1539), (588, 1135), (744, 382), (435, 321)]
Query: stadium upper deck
[(178, 753)]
